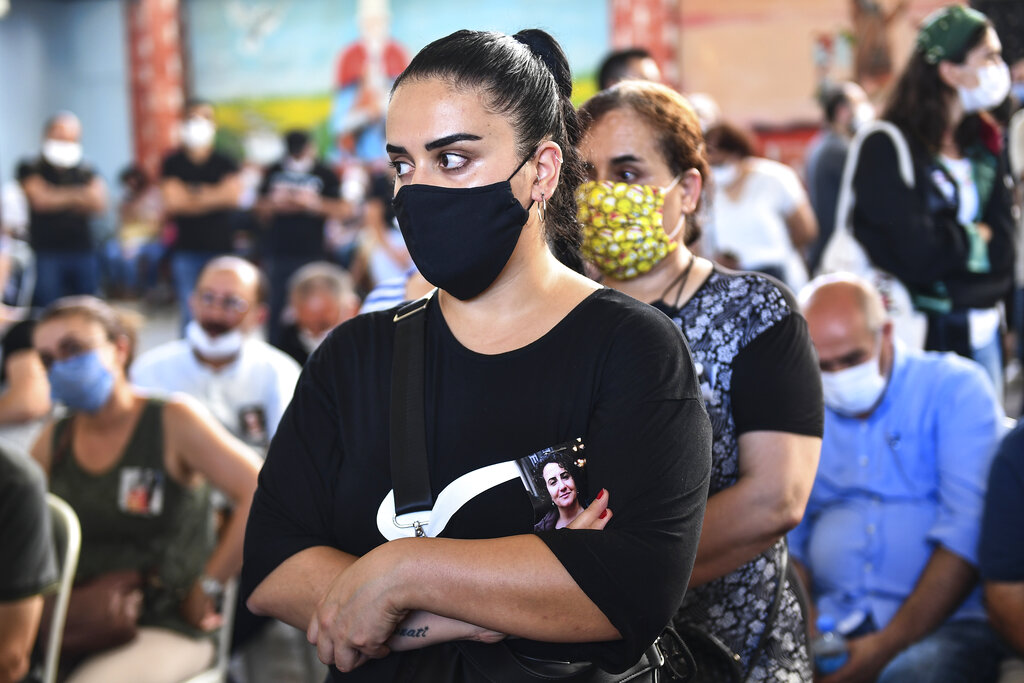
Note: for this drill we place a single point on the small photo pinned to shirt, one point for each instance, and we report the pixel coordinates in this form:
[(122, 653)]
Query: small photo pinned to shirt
[(556, 480), (141, 491), (252, 425)]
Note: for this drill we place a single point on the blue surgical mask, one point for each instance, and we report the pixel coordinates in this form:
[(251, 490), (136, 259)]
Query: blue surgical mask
[(82, 382)]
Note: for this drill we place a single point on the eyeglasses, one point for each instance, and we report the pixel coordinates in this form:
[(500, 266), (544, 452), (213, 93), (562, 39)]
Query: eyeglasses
[(68, 347), (226, 302)]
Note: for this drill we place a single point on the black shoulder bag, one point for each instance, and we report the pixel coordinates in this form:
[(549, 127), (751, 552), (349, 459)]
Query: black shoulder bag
[(667, 659), (716, 663)]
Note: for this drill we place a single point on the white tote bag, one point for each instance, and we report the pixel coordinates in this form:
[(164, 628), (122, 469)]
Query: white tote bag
[(844, 253)]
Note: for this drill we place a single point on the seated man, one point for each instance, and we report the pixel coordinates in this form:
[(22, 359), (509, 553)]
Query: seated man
[(890, 536), (242, 380), (29, 568), (1002, 550), (322, 297)]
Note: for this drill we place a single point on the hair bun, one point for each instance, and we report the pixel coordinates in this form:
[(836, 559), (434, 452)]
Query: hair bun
[(544, 46)]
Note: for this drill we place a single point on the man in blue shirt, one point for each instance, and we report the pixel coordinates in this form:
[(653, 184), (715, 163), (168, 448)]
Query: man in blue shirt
[(889, 539)]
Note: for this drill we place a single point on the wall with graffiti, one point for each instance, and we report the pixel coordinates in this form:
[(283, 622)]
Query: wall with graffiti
[(327, 65)]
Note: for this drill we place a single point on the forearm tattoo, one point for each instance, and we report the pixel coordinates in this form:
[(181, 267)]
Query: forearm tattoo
[(412, 632)]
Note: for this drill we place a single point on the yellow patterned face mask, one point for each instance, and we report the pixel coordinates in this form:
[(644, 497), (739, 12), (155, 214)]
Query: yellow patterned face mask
[(622, 227)]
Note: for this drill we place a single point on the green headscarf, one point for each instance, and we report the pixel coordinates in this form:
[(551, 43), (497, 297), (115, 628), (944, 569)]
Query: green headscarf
[(945, 32)]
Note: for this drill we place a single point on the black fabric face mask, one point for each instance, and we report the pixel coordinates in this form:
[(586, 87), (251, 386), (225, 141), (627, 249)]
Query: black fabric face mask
[(460, 238)]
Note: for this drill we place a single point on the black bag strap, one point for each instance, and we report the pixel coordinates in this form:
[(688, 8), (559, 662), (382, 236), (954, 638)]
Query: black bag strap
[(410, 476)]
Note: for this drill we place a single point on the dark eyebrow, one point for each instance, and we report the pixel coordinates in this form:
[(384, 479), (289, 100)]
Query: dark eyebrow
[(395, 149), (625, 158), (449, 139)]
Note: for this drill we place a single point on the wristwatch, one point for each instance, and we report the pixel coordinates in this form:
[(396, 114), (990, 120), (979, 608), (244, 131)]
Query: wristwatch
[(213, 588)]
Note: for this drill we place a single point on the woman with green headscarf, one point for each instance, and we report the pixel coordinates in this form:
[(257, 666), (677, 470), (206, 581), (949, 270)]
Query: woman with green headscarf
[(931, 206)]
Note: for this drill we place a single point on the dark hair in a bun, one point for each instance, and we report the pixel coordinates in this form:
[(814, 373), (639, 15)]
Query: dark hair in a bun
[(525, 78)]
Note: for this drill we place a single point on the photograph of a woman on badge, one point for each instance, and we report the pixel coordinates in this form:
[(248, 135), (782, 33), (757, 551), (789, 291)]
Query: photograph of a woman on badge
[(557, 477)]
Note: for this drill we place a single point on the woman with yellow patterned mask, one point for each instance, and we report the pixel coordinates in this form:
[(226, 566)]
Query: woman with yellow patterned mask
[(640, 213)]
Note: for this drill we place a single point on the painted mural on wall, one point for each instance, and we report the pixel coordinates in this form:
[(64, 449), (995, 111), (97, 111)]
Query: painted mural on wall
[(327, 65)]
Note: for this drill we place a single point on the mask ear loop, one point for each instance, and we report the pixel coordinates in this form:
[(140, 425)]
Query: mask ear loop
[(682, 216)]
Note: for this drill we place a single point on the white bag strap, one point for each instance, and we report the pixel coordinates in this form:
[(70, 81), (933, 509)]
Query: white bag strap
[(844, 204), (456, 494)]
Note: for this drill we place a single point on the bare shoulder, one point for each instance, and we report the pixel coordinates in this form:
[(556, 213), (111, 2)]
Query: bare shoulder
[(42, 449), (182, 412)]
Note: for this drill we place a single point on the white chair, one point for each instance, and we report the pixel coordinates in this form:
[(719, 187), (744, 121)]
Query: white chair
[(218, 671), (23, 272), (67, 539)]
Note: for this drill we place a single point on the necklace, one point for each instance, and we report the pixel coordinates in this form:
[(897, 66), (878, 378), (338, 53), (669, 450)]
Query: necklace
[(679, 283)]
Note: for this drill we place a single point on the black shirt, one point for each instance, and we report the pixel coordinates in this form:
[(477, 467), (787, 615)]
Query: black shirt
[(212, 231), (26, 544), (299, 233), (1001, 548), (63, 230), (914, 232), (291, 344), (614, 371)]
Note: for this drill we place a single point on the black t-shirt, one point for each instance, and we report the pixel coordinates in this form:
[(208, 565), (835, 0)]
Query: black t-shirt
[(299, 233), (1001, 550), (614, 372), (18, 338), (291, 344), (58, 230), (26, 539), (212, 231)]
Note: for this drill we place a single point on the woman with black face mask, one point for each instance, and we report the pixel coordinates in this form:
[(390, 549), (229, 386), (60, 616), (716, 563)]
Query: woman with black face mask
[(521, 353)]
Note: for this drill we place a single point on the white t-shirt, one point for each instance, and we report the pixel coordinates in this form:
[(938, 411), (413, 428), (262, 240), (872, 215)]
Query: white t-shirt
[(967, 191), (753, 227), (248, 396), (983, 324)]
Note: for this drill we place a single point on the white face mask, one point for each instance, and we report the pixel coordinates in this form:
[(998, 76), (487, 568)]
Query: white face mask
[(221, 347), (855, 390), (725, 174), (62, 153), (197, 132), (993, 87), (863, 114), (298, 165)]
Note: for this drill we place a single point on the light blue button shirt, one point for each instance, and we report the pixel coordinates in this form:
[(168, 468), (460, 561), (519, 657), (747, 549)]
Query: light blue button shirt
[(893, 485)]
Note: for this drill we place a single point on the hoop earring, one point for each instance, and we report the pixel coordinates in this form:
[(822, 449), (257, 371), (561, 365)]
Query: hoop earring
[(542, 209)]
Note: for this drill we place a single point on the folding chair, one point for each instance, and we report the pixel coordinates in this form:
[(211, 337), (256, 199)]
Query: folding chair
[(22, 278), (218, 671), (67, 539)]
